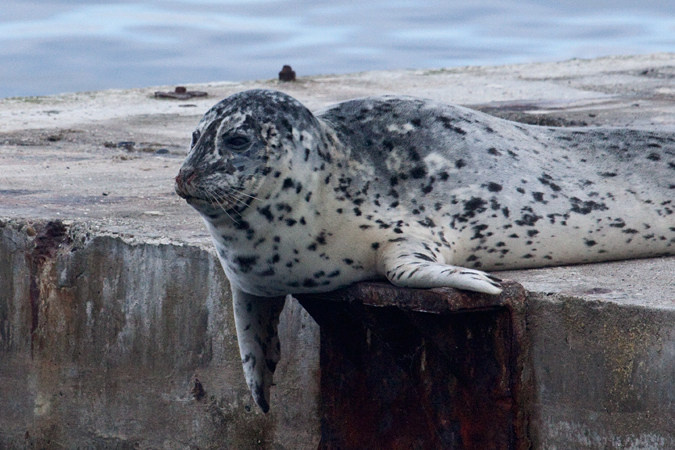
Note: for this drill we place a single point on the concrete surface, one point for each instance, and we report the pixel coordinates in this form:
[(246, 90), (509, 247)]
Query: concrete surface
[(107, 320), (602, 340), (110, 343)]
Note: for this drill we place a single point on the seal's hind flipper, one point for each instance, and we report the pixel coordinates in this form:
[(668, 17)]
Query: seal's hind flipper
[(409, 262), (256, 319)]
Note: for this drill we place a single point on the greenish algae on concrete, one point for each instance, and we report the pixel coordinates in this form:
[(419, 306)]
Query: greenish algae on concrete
[(115, 320)]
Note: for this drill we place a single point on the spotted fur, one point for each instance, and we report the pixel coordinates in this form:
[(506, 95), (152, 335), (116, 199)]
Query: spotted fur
[(420, 193)]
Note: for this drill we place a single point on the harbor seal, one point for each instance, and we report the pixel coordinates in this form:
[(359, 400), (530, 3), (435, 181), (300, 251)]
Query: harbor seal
[(420, 193)]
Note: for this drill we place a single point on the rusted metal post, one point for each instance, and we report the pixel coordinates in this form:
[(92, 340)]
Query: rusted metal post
[(422, 369)]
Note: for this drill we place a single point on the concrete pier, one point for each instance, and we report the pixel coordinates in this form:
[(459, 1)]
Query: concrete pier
[(116, 328)]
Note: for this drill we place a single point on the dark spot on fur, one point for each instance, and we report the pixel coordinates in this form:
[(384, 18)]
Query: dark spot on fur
[(321, 238), (447, 123), (460, 163), (418, 172), (494, 187), (266, 213), (529, 218), (242, 225), (427, 222), (245, 263), (268, 273), (586, 207), (478, 229), (308, 282), (423, 257), (546, 181), (475, 205)]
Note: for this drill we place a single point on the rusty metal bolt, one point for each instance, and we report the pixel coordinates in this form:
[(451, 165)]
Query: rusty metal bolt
[(287, 74)]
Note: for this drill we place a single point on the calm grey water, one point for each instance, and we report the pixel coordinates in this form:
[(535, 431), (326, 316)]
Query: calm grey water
[(48, 47)]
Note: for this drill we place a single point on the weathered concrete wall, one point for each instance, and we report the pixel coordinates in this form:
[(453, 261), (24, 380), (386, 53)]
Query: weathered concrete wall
[(110, 344), (602, 340), (604, 374)]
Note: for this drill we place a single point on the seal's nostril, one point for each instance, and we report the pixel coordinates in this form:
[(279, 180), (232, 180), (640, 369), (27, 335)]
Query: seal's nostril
[(183, 180)]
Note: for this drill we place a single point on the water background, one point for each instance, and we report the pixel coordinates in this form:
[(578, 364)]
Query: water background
[(48, 47)]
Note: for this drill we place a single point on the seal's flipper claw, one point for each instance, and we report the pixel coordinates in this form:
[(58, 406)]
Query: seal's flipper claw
[(256, 319)]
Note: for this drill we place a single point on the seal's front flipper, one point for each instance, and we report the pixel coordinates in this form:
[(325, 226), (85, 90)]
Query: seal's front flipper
[(413, 263), (256, 319)]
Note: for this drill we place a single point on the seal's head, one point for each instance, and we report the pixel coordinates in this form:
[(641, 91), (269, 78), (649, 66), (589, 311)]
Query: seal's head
[(239, 149)]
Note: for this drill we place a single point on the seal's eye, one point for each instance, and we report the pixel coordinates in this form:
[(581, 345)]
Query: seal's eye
[(195, 137), (238, 143)]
